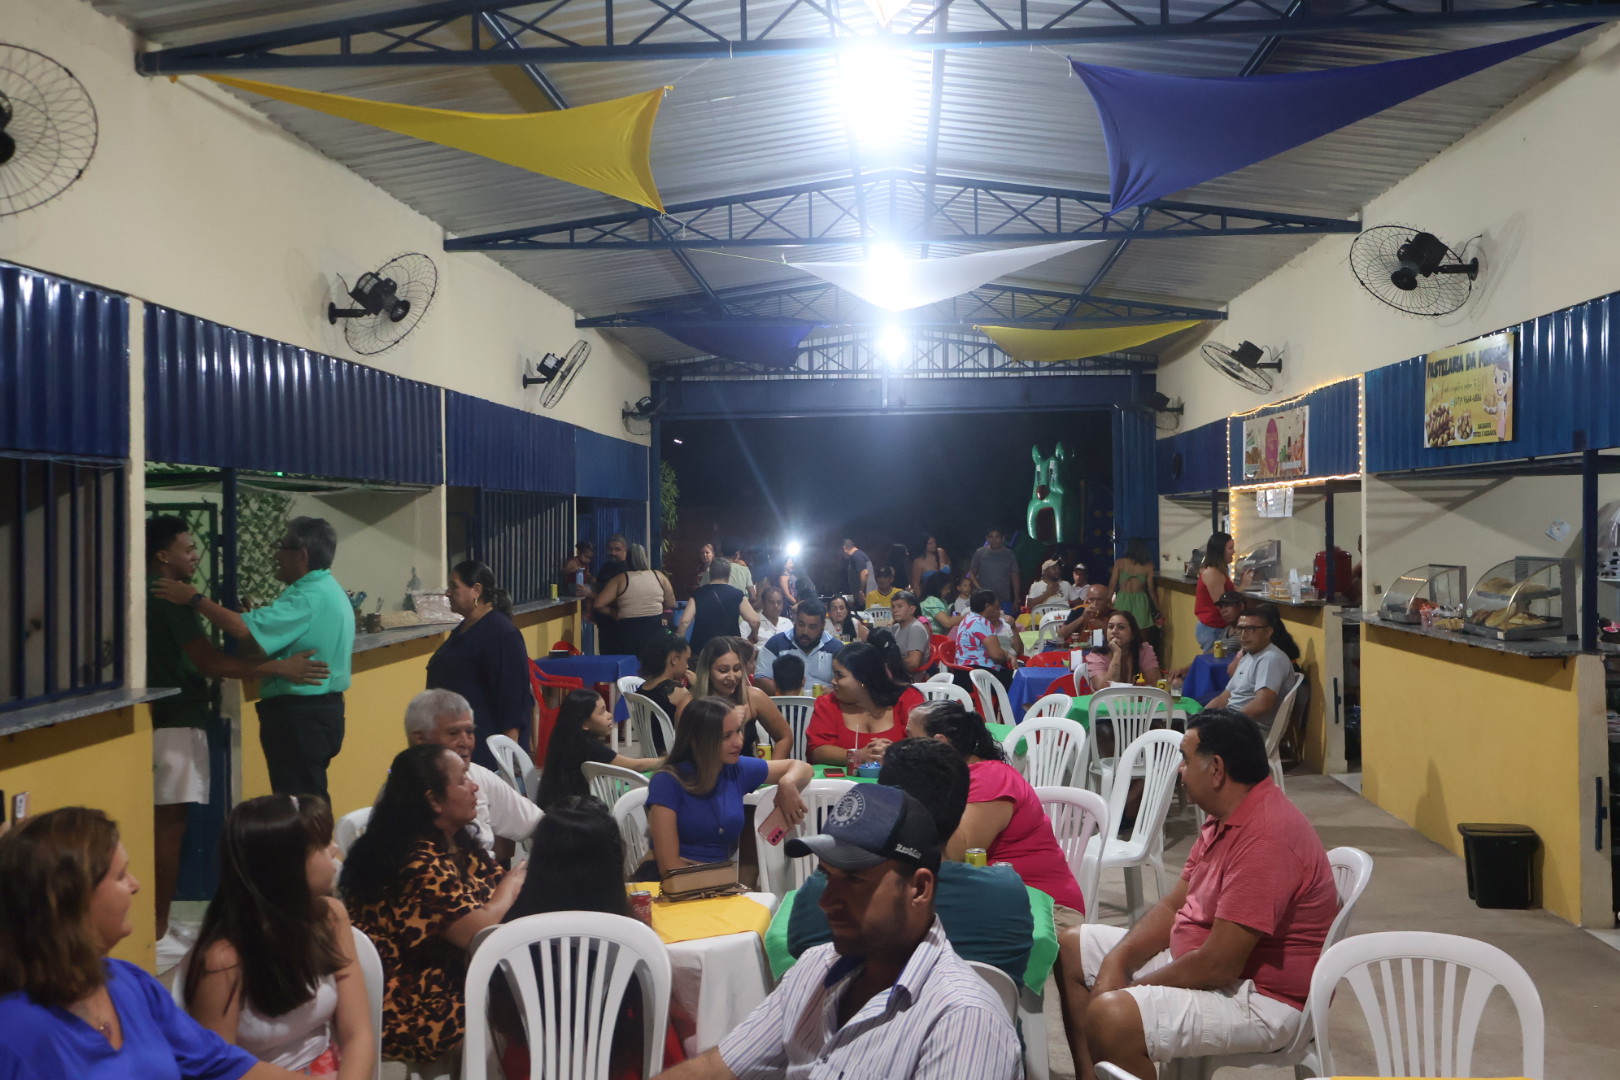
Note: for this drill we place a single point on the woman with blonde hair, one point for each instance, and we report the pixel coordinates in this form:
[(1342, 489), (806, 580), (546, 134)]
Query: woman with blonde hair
[(722, 671)]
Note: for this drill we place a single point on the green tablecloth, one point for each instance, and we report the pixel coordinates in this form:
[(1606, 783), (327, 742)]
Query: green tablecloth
[(999, 731), (1180, 709)]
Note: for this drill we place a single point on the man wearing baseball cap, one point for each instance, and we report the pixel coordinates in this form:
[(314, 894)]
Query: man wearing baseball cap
[(1050, 588), (889, 997)]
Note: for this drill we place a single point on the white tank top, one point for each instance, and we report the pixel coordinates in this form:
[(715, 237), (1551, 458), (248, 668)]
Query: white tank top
[(642, 595), (291, 1040)]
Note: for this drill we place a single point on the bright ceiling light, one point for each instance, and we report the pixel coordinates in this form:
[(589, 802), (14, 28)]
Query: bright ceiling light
[(876, 85), (892, 346), (793, 548)]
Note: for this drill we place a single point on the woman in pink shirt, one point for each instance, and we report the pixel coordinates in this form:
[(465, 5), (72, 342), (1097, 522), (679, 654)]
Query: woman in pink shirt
[(1004, 815)]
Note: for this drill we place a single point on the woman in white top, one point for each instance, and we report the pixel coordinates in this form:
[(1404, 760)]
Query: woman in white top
[(636, 601), (274, 968)]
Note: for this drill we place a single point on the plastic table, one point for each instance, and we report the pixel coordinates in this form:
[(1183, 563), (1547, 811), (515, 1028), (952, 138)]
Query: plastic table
[(1205, 678)]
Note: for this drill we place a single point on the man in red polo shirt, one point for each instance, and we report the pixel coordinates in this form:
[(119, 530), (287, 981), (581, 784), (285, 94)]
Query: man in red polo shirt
[(1223, 964)]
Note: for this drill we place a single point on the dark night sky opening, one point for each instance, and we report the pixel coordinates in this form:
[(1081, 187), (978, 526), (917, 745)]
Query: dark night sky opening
[(876, 479)]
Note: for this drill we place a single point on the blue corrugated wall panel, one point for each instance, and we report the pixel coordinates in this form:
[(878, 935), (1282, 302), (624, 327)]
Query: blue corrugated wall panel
[(1203, 460), (1565, 383), (493, 446), (64, 366), (224, 398), (609, 468), (1332, 434), (605, 517), (1136, 495)]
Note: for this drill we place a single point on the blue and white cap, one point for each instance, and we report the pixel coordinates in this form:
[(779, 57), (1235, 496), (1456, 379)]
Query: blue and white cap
[(870, 824)]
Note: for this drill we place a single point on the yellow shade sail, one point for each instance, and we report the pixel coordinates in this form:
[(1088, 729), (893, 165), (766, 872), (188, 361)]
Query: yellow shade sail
[(603, 147), (1035, 345)]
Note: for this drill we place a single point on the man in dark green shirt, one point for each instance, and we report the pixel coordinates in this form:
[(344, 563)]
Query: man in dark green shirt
[(179, 655)]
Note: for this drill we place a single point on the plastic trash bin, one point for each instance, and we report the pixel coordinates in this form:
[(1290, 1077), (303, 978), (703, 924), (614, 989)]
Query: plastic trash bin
[(1500, 864)]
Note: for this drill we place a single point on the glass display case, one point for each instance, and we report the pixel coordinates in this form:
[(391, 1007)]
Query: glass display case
[(1437, 588), (1521, 598)]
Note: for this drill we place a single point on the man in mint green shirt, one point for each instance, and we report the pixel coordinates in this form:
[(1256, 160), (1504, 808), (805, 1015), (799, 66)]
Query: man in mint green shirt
[(300, 726)]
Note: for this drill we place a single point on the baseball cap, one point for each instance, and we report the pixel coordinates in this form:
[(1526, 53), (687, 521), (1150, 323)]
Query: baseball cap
[(870, 824), (1048, 564), (1232, 598)]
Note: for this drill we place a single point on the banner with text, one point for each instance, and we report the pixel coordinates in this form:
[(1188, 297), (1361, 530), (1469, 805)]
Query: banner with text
[(1468, 392)]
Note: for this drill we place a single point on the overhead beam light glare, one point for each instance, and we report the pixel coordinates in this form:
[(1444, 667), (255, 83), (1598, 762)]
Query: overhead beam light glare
[(892, 345), (793, 548), (876, 85)]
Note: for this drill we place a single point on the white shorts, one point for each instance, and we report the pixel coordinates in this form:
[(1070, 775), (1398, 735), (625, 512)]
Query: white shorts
[(1181, 1023), (179, 766)]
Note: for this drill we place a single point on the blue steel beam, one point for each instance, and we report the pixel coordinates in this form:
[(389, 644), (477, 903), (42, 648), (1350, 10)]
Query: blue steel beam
[(940, 209), (452, 32), (825, 304), (799, 397)]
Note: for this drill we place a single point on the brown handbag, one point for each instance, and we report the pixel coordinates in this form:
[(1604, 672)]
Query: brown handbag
[(701, 881)]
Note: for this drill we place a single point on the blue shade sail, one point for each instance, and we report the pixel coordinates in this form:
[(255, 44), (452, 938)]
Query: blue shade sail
[(1166, 133), (765, 344)]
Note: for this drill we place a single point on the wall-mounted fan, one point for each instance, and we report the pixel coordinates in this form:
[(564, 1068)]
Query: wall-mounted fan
[(1247, 365), (1167, 411), (638, 417), (1412, 271), (555, 373), (389, 302), (47, 129)]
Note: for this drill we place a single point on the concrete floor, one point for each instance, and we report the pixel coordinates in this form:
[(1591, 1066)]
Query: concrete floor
[(1418, 885)]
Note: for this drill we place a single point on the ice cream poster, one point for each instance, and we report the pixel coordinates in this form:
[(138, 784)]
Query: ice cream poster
[(1468, 392), (1274, 446)]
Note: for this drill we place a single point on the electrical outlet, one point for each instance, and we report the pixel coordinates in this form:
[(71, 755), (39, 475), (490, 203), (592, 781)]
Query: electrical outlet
[(19, 806)]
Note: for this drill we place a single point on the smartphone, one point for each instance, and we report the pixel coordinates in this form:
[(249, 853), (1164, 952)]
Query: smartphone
[(774, 829), (832, 771)]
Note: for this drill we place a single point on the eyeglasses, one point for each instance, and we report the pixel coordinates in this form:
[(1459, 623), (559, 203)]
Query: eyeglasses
[(1253, 626)]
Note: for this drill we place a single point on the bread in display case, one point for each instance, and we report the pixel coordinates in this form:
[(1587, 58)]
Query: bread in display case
[(1437, 588), (1520, 598)]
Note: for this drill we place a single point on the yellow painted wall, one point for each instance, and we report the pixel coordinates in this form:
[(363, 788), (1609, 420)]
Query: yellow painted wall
[(1180, 639), (384, 682), (1307, 627), (1451, 733), (103, 761)]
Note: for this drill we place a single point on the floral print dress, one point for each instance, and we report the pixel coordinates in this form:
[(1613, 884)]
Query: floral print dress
[(423, 1000)]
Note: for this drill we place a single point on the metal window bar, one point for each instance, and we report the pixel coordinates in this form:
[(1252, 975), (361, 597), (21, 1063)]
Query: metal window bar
[(525, 537), (62, 536)]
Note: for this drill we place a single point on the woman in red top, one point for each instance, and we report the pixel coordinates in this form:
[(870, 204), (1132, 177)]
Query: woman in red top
[(1212, 582), (1004, 815), (866, 711)]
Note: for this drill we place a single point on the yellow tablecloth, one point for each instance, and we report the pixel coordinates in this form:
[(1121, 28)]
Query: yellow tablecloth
[(694, 919)]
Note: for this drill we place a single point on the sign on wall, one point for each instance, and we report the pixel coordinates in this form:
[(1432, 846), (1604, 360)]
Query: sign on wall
[(1274, 446), (1468, 392)]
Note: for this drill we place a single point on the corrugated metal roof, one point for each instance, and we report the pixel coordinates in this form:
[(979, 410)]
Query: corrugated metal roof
[(744, 124)]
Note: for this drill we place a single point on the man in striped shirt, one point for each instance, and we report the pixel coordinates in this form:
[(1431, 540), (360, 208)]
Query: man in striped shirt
[(889, 997)]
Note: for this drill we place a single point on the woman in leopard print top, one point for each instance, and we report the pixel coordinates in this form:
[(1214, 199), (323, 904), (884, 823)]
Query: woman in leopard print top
[(420, 886)]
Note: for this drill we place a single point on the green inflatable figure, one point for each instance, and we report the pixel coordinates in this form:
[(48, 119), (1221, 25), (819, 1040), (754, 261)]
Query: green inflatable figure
[(1054, 501)]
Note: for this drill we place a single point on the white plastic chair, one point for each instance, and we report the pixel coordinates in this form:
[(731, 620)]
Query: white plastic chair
[(644, 714), (631, 814), (1156, 757), (568, 972), (1078, 816), (1420, 1021), (945, 691), (629, 684), (1107, 1070), (1131, 711), (997, 706), (1352, 869), (942, 677), (1047, 625), (350, 827), (512, 762), (1279, 725), (1001, 984), (609, 782), (1050, 705), (796, 711), (777, 873), (1053, 746), (371, 972)]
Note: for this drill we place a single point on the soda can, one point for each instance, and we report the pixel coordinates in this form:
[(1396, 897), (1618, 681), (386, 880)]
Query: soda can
[(553, 591), (763, 750), (977, 856), (641, 903), (1163, 684)]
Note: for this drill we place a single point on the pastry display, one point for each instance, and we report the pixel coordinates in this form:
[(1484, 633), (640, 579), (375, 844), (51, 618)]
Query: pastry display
[(1520, 598), (1425, 593)]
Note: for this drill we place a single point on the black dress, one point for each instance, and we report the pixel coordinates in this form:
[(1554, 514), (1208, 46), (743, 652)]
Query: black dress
[(719, 606), (488, 664)]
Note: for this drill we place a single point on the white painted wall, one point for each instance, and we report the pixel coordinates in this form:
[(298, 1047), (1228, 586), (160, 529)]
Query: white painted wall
[(1302, 534), (1535, 183), (197, 202)]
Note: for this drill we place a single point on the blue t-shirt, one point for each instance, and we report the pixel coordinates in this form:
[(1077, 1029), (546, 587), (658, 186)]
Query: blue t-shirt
[(709, 825), (161, 1042)]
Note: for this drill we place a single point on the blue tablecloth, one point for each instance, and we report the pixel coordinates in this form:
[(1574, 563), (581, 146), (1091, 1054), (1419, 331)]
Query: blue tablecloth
[(592, 670), (1206, 678), (1029, 686)]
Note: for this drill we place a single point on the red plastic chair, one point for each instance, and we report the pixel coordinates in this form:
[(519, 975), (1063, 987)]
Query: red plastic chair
[(1048, 659), (539, 683), (565, 646)]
